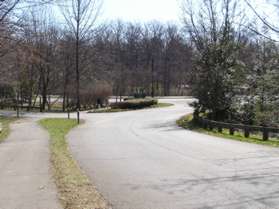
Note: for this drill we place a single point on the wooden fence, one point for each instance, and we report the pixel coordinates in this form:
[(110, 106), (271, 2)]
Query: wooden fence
[(210, 124)]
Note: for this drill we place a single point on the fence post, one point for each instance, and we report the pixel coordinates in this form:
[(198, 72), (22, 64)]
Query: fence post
[(210, 126), (17, 105), (220, 129), (265, 134), (246, 132), (231, 130), (204, 124), (40, 101)]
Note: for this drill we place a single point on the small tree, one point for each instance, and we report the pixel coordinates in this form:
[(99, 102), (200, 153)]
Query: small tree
[(80, 16)]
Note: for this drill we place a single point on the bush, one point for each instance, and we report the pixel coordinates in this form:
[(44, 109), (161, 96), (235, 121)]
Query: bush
[(140, 93), (134, 104), (95, 95)]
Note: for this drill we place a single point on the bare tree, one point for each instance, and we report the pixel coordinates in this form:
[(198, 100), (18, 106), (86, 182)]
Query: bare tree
[(263, 19), (6, 7), (80, 16)]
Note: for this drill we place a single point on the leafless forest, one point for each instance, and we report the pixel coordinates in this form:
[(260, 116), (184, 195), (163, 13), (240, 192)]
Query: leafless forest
[(228, 61)]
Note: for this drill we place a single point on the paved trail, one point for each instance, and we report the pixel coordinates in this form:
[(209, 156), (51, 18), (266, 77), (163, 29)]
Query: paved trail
[(25, 177), (141, 160)]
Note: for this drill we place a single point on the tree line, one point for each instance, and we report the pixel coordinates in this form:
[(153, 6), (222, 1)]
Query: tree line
[(219, 55), (118, 58)]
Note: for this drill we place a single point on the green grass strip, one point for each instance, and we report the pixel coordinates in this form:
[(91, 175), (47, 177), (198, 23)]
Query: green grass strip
[(5, 123), (186, 122), (75, 189)]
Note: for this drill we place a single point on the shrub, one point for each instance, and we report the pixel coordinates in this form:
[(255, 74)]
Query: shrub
[(140, 93), (95, 95), (134, 104)]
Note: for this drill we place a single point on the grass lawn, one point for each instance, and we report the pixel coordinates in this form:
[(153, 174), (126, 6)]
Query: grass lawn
[(186, 122), (75, 189), (5, 122), (110, 110)]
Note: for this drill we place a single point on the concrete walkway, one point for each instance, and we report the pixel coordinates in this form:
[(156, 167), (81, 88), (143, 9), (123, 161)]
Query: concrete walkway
[(25, 176)]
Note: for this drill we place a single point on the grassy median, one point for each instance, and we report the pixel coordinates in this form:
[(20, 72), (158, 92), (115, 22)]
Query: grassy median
[(75, 189), (161, 105), (5, 124), (187, 123)]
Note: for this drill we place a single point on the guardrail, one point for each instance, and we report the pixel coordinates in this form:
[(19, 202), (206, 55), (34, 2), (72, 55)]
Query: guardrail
[(210, 124)]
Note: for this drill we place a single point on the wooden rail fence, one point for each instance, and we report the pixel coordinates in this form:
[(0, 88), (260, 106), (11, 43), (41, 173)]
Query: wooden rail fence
[(210, 124)]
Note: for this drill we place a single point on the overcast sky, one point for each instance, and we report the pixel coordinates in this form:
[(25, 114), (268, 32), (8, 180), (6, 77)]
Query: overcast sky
[(149, 10), (141, 10)]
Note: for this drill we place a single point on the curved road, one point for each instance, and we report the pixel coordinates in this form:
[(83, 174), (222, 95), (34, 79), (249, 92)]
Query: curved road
[(142, 160)]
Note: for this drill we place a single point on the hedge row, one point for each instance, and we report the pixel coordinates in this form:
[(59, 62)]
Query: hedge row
[(134, 104)]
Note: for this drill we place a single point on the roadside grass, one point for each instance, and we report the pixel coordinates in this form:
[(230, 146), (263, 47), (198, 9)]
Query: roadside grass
[(5, 123), (187, 123), (114, 110), (75, 189), (161, 105)]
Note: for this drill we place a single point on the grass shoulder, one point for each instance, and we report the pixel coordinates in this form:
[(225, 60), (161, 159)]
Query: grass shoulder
[(187, 123), (5, 127), (75, 189)]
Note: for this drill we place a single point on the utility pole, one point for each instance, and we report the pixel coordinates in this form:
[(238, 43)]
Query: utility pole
[(152, 77), (77, 61), (17, 104)]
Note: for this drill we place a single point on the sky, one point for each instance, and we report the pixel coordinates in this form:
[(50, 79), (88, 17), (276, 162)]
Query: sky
[(159, 10), (141, 10), (169, 11)]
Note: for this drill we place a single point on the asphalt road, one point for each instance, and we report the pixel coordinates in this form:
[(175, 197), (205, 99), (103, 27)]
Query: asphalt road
[(142, 160)]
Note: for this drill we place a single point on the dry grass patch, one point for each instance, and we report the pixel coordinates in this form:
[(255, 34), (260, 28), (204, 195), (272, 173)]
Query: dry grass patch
[(5, 127), (75, 189)]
